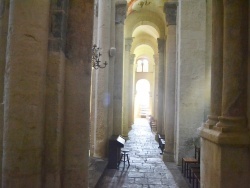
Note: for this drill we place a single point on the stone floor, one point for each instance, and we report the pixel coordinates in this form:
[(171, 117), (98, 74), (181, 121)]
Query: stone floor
[(146, 170)]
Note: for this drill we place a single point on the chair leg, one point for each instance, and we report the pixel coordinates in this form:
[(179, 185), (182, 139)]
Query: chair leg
[(128, 160), (182, 165), (124, 159)]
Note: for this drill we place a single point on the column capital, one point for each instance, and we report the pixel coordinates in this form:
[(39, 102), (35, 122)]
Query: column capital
[(128, 43), (120, 12), (170, 9)]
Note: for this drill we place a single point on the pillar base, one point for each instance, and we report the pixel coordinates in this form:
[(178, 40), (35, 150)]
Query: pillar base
[(168, 156), (211, 121), (224, 158)]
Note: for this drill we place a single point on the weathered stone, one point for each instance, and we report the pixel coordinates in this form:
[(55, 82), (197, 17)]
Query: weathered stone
[(191, 74), (24, 93), (144, 170), (118, 66), (77, 94), (170, 87)]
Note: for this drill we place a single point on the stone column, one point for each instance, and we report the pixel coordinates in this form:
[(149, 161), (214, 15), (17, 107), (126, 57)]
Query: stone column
[(101, 100), (217, 63), (156, 70), (170, 75), (126, 86), (121, 7), (55, 95), (235, 65), (160, 86), (131, 90), (25, 79), (111, 69), (229, 138), (77, 94), (190, 84), (4, 17)]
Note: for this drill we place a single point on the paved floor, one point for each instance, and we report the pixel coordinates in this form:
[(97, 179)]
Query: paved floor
[(146, 170)]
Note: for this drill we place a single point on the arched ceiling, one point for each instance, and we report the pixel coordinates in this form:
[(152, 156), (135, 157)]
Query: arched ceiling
[(146, 30), (145, 23), (144, 50), (138, 5)]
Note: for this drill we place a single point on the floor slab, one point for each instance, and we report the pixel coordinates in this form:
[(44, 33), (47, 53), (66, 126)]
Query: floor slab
[(147, 169)]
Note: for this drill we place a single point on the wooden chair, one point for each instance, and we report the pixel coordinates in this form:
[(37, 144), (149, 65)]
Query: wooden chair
[(194, 176), (190, 160), (196, 180)]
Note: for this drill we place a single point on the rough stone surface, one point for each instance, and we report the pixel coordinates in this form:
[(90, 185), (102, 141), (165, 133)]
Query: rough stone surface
[(4, 17), (146, 166), (235, 50), (26, 57), (118, 67), (191, 74), (77, 94), (101, 101), (170, 100), (161, 81), (54, 119), (127, 80), (218, 160)]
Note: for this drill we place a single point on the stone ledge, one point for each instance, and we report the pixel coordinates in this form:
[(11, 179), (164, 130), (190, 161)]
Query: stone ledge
[(225, 138)]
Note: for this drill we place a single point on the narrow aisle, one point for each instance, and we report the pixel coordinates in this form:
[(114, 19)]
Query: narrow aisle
[(146, 170)]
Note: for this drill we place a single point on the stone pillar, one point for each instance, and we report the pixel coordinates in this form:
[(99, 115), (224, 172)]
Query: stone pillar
[(77, 94), (55, 95), (131, 90), (101, 100), (208, 62), (170, 75), (126, 86), (190, 83), (111, 69), (235, 64), (4, 17), (217, 63), (121, 7), (156, 70), (160, 86), (24, 93), (229, 138)]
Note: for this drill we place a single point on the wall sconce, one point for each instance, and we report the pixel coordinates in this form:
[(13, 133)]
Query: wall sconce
[(96, 58)]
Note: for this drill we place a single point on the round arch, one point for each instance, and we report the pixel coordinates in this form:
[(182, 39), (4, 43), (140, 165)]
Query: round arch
[(142, 98), (142, 18)]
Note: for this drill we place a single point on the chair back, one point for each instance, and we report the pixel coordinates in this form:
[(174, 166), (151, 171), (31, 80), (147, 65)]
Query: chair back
[(197, 153)]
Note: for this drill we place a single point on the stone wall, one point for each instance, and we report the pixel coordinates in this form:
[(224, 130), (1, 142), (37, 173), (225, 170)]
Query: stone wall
[(4, 17), (191, 62), (248, 107)]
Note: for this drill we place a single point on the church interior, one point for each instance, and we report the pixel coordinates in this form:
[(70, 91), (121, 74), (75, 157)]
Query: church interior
[(76, 73)]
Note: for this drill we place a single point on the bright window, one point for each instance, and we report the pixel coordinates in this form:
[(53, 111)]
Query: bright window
[(142, 65)]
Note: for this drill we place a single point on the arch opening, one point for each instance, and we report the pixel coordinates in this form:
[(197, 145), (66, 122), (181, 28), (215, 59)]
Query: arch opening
[(142, 99)]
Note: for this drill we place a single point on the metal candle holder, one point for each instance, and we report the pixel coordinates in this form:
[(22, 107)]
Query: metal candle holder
[(96, 58)]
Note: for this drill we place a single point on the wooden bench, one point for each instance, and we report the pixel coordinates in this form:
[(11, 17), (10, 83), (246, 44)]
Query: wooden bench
[(161, 141)]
